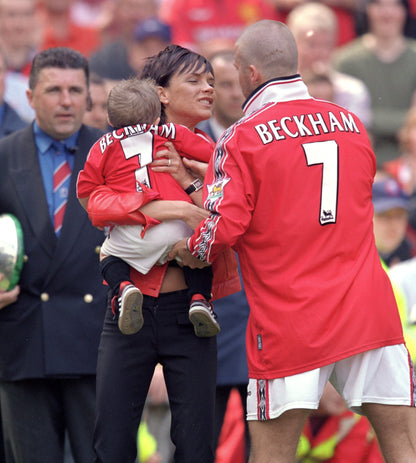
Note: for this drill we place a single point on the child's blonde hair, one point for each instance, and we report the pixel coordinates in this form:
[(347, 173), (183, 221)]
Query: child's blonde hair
[(133, 101)]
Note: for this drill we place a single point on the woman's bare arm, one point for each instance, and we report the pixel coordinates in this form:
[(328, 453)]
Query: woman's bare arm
[(191, 214)]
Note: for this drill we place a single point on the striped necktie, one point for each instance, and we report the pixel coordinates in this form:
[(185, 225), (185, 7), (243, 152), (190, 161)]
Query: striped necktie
[(61, 181)]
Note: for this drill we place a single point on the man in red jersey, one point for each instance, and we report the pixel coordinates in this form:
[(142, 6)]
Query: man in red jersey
[(289, 187)]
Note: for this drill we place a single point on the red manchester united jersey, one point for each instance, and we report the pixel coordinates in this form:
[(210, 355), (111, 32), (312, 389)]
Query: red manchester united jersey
[(289, 188), (121, 158)]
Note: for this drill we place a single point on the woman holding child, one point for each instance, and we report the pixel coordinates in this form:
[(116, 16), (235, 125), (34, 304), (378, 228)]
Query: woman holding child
[(126, 363)]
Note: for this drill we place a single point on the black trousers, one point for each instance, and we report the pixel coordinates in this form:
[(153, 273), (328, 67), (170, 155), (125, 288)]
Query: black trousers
[(125, 369), (36, 413)]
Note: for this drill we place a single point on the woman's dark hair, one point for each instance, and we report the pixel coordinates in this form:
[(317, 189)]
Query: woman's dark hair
[(174, 59)]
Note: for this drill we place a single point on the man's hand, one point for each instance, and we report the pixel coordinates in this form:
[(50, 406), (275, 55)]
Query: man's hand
[(194, 215), (184, 257), (8, 297)]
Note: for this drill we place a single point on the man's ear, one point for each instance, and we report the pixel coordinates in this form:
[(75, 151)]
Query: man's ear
[(29, 95), (255, 76)]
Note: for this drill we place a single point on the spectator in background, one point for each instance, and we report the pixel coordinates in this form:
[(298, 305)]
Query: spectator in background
[(120, 18), (119, 23), (150, 37), (320, 85), (334, 434), (122, 59), (96, 114), (10, 121), (385, 60), (344, 10), (19, 37), (58, 29), (197, 21), (403, 169), (49, 332), (89, 12), (229, 98), (361, 21), (314, 26), (390, 221), (213, 46), (403, 278), (19, 33)]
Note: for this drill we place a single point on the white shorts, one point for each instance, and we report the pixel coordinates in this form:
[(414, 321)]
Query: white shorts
[(383, 376), (125, 242)]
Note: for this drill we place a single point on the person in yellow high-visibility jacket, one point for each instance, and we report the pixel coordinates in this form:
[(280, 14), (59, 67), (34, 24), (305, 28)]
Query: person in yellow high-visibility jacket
[(333, 434), (403, 279), (147, 446)]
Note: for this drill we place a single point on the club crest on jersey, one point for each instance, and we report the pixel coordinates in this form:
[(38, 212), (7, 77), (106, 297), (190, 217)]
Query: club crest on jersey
[(327, 216), (216, 190)]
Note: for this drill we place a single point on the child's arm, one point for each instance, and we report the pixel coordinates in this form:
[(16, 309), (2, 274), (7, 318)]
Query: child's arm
[(105, 207), (194, 145)]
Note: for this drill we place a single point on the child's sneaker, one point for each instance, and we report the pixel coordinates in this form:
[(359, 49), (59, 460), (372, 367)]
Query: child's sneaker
[(203, 317), (130, 302)]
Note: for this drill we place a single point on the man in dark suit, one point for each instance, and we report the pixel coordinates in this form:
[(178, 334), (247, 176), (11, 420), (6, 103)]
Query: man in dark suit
[(50, 325)]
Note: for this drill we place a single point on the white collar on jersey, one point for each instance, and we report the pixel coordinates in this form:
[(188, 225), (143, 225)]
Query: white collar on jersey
[(275, 90)]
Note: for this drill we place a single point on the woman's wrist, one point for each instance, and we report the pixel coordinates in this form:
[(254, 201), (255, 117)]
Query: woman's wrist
[(194, 186)]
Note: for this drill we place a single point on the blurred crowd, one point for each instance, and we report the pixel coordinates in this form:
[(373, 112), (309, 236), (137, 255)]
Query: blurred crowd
[(360, 54)]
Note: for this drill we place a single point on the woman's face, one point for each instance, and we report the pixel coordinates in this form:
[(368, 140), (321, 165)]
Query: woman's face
[(188, 98)]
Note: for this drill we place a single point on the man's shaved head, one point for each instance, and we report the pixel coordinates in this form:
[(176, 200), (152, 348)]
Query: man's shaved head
[(270, 47)]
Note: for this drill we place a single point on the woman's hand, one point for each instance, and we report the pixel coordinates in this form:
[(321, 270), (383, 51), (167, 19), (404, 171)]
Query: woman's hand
[(168, 160), (197, 168), (8, 297)]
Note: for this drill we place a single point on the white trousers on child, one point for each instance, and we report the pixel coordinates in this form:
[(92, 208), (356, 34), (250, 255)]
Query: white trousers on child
[(125, 242)]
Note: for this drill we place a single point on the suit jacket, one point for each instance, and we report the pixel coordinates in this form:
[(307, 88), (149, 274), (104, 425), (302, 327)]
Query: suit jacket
[(205, 126), (11, 121), (54, 327)]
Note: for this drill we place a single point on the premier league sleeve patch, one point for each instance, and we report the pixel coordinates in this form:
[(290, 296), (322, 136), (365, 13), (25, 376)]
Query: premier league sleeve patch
[(216, 190)]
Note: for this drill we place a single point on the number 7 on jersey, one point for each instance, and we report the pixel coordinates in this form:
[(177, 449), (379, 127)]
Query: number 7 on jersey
[(325, 153)]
